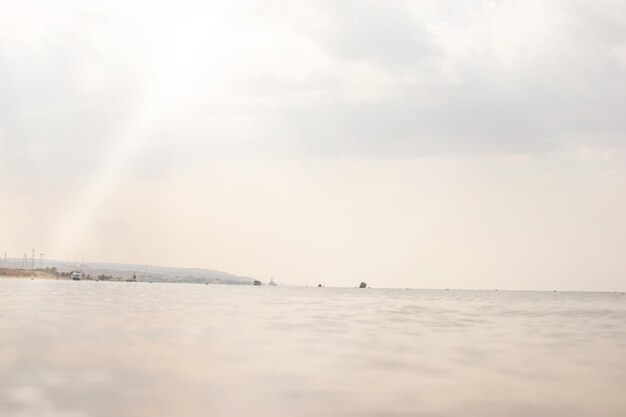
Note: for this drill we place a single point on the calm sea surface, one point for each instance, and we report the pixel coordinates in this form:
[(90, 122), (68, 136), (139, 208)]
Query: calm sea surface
[(138, 349)]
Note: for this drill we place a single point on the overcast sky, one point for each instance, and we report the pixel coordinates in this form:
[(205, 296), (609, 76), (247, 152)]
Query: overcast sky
[(428, 144)]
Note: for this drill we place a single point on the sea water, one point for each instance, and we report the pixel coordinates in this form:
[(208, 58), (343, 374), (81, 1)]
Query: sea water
[(139, 349)]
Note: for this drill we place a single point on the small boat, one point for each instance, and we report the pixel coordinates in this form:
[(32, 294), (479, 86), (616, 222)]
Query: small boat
[(257, 282)]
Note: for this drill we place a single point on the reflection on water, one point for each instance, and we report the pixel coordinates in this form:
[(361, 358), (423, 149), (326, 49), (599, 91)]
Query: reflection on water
[(138, 349)]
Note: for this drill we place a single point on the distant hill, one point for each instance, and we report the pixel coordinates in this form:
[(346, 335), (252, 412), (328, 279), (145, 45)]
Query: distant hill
[(152, 273)]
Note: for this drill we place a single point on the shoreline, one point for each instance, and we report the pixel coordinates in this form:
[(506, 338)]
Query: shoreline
[(32, 274)]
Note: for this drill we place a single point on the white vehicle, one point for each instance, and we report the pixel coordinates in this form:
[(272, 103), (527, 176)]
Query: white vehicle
[(78, 275)]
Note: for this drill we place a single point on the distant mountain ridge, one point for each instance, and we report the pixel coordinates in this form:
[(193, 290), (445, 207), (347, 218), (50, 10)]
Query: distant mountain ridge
[(152, 273)]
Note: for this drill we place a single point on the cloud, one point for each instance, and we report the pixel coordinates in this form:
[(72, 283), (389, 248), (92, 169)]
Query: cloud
[(408, 78), (506, 79), (381, 34)]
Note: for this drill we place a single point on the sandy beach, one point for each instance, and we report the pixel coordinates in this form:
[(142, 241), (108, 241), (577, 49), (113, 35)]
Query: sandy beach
[(29, 274)]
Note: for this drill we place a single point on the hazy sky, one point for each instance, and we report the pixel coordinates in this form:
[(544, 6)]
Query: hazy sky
[(437, 144)]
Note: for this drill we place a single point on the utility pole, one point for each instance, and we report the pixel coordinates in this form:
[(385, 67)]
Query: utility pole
[(32, 261), (25, 262), (41, 259)]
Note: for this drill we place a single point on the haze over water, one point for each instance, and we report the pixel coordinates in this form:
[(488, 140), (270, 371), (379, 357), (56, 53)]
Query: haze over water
[(138, 349)]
